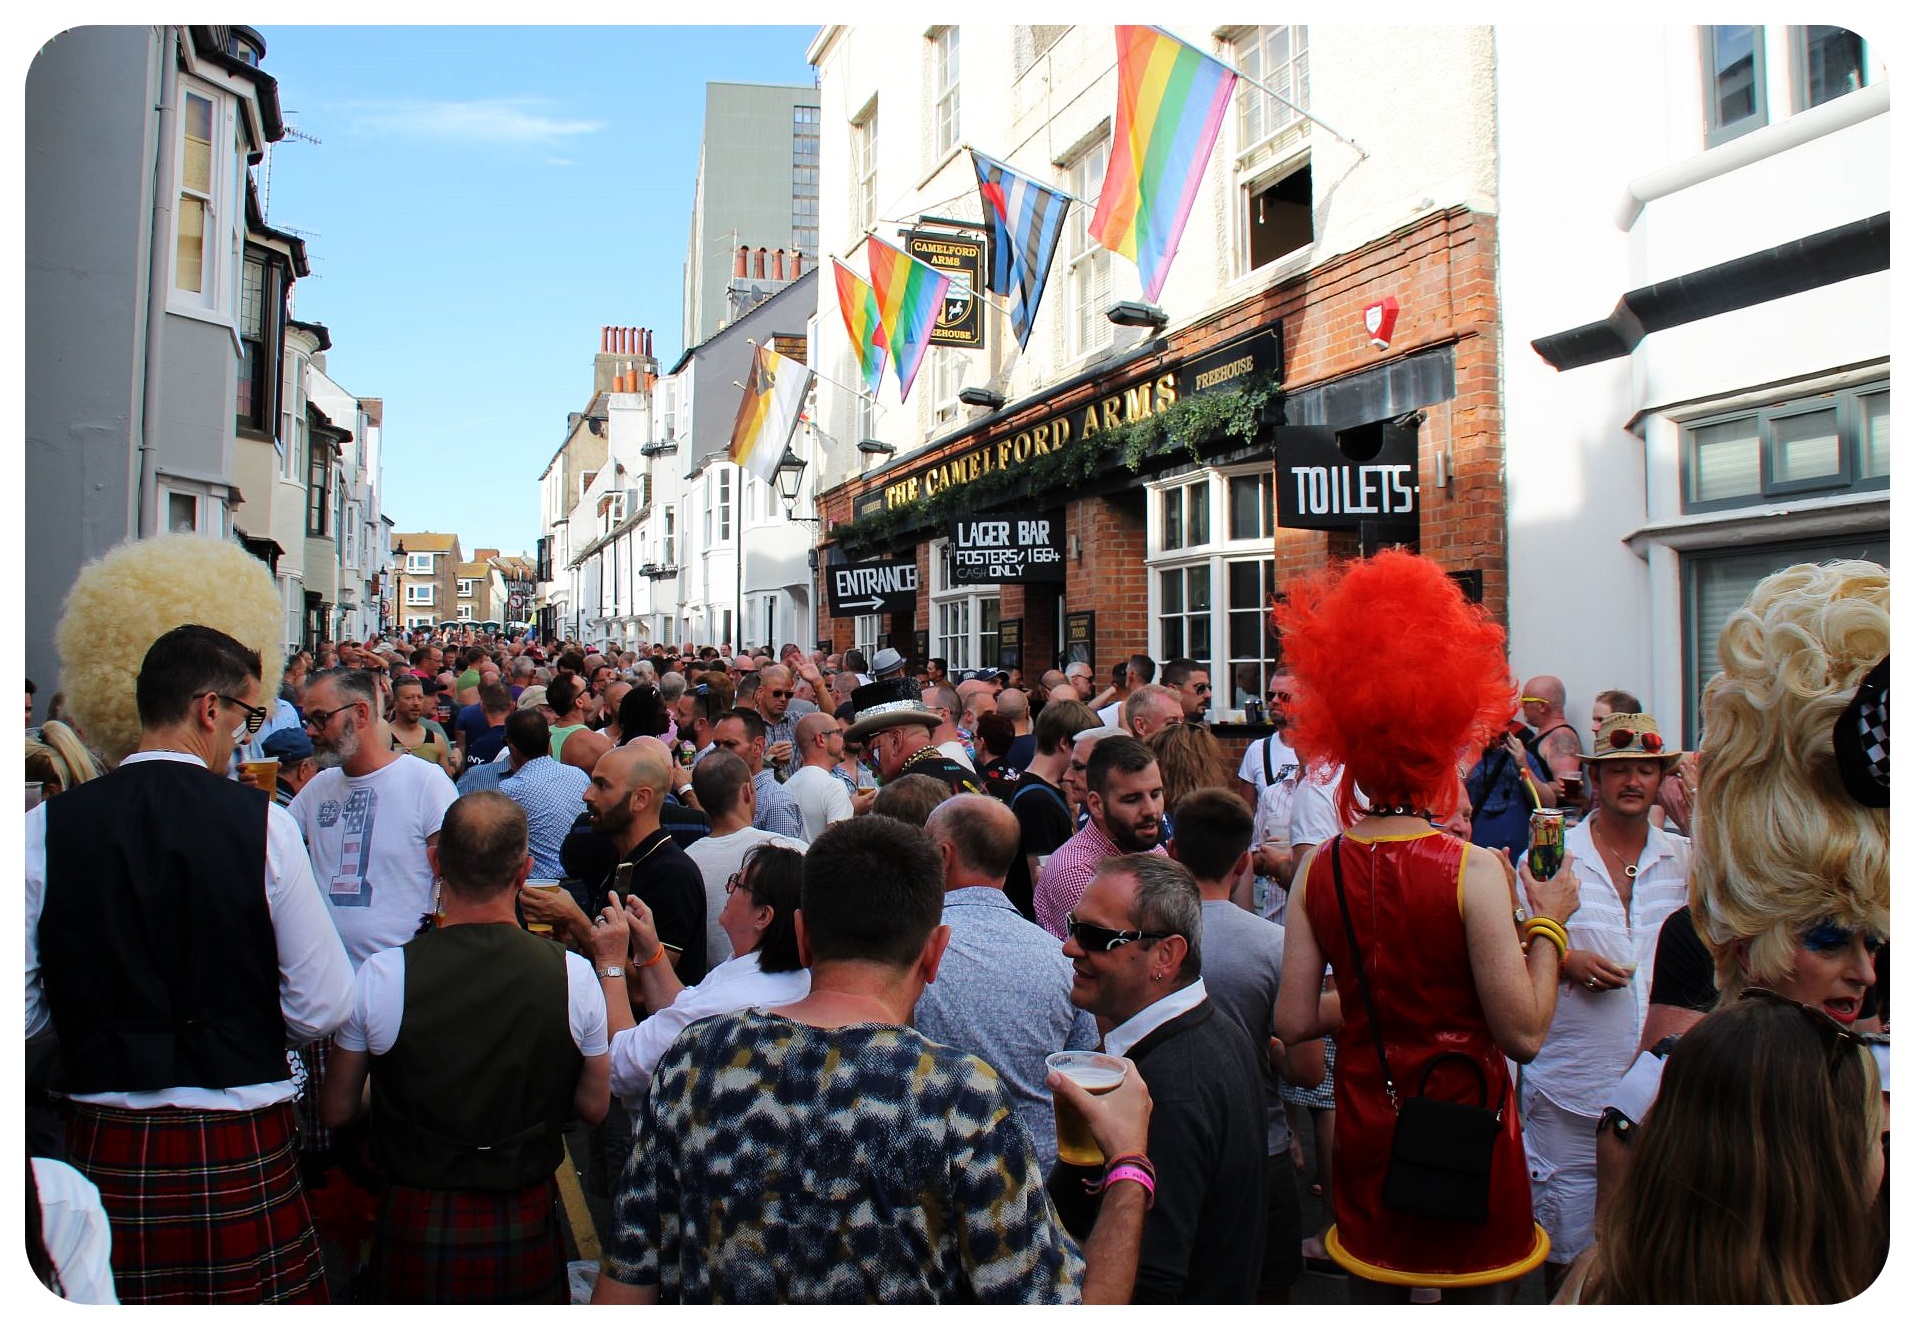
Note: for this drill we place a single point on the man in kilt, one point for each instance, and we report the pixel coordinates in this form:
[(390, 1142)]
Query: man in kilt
[(178, 944), (480, 1039)]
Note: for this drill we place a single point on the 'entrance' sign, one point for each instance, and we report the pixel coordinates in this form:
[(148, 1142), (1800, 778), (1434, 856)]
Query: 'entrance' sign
[(872, 588), (1013, 547)]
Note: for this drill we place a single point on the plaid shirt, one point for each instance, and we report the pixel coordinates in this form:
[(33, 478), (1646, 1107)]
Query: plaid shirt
[(1061, 885)]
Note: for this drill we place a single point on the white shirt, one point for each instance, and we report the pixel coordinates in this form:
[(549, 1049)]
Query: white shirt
[(367, 838), (821, 796), (1593, 1035), (1112, 714), (379, 1005), (954, 750), (718, 857), (1118, 1041), (733, 986), (1283, 760), (315, 978), (1313, 809), (74, 1225)]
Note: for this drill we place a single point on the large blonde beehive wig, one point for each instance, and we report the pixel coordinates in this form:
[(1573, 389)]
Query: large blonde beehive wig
[(123, 601), (1780, 842)]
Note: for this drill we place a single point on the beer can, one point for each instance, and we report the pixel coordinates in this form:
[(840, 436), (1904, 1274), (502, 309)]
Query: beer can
[(1545, 842)]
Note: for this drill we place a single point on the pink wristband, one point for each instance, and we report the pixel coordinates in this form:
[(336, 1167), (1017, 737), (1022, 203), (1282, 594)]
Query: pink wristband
[(1131, 1173)]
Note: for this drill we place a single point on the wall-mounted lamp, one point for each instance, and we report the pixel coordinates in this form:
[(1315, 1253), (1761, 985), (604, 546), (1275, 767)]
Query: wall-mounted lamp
[(1074, 547), (1136, 314), (877, 447), (980, 397)]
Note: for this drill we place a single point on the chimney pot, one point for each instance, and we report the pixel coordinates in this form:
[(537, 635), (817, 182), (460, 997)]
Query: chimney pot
[(738, 266), (758, 263), (797, 263), (778, 264), (604, 338)]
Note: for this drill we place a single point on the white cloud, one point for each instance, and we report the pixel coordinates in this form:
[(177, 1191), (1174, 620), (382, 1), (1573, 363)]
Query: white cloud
[(521, 121)]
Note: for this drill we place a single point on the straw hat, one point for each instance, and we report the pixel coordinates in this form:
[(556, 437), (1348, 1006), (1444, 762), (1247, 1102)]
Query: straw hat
[(1632, 734)]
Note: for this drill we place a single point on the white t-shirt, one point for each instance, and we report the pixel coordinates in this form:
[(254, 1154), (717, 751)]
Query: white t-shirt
[(1313, 812), (718, 857), (379, 1005), (367, 838), (821, 796), (954, 750), (1112, 714), (74, 1226)]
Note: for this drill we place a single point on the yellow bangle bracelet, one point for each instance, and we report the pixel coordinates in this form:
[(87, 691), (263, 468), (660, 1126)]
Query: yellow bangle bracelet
[(1562, 947), (1549, 928)]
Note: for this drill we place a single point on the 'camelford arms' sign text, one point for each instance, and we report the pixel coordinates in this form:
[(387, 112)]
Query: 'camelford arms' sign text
[(1014, 548), (872, 588)]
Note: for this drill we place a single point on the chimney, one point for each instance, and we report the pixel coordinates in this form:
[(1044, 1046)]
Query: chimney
[(758, 263), (624, 340), (778, 264), (604, 339), (797, 263), (738, 267)]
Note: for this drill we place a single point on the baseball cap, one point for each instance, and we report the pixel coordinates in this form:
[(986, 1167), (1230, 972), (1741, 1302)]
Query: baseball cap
[(293, 745), (532, 697)]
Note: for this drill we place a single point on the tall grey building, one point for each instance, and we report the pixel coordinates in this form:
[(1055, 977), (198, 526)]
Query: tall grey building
[(757, 192)]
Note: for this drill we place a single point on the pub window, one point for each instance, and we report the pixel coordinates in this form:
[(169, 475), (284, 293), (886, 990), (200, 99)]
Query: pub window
[(964, 617), (1210, 578), (1278, 57), (1086, 261), (1278, 219), (864, 635)]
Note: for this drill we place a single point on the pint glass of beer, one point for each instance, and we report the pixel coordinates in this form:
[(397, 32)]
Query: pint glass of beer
[(261, 773), (541, 884), (1098, 1073)]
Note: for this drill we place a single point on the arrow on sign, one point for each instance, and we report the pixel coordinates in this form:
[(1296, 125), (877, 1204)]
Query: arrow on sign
[(871, 604)]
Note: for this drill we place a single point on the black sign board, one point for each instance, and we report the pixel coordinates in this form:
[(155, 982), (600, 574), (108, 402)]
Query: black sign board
[(866, 504), (1227, 367), (1008, 547), (824, 645), (1471, 582), (1080, 638), (1322, 487), (1010, 644), (961, 258), (872, 588), (921, 640)]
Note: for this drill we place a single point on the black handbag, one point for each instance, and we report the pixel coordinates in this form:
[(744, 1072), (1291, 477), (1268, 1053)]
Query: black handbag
[(1440, 1152)]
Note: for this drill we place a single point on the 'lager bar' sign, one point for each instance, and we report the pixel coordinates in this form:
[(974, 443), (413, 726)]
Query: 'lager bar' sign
[(1010, 548)]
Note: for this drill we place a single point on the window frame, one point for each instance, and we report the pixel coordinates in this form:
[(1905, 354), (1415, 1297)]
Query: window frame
[(1799, 67), (1249, 96), (264, 344), (974, 644), (216, 298), (429, 598), (1085, 260), (864, 168), (319, 493), (804, 226), (418, 563), (1715, 132), (946, 130), (1847, 404)]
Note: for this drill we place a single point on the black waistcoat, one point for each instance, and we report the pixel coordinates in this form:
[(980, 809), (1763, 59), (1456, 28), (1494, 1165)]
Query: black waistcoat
[(156, 943)]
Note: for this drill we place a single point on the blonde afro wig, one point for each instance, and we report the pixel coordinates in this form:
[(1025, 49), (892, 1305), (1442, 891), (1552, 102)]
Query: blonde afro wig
[(122, 603), (1780, 842)]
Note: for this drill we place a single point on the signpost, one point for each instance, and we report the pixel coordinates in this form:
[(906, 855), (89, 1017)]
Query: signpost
[(872, 588), (1013, 547), (961, 258)]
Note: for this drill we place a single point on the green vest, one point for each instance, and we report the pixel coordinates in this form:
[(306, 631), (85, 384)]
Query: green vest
[(474, 1094)]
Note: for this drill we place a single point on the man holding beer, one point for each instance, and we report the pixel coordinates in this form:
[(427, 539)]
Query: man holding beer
[(851, 1157), (1634, 876), (1134, 946)]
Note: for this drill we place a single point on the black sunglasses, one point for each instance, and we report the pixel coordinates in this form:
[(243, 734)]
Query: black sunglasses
[(255, 716), (1837, 1036), (1095, 937)]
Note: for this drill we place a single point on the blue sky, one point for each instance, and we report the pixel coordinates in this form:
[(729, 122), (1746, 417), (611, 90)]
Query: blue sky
[(481, 202)]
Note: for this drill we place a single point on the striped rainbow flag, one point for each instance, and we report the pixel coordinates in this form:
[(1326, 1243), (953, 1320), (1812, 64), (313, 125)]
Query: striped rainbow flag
[(1171, 100), (858, 303), (910, 298)]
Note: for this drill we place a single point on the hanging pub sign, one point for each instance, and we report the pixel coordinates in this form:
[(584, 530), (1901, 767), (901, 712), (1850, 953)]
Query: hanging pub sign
[(873, 588), (1367, 480), (1009, 547), (961, 258), (1080, 638), (1010, 644)]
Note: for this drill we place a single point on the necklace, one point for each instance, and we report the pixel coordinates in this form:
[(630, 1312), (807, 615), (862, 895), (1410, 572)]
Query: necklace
[(1628, 868), (1401, 810)]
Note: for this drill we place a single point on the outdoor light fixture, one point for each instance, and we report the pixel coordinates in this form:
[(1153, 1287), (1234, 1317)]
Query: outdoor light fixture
[(877, 447), (980, 397), (791, 470), (1136, 314)]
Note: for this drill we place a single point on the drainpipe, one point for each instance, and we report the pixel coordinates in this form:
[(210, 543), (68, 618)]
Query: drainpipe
[(164, 174)]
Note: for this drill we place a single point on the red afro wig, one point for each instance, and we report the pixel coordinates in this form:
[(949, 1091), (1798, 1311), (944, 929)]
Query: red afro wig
[(1402, 680)]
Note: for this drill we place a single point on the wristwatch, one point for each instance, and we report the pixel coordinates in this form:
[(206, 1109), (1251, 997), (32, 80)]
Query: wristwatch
[(612, 972)]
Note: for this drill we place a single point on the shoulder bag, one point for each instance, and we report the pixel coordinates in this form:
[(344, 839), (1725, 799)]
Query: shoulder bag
[(1441, 1152)]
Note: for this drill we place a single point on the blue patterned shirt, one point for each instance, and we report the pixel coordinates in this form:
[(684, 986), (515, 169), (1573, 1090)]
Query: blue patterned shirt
[(552, 795), (778, 1162), (778, 810), (1003, 992)]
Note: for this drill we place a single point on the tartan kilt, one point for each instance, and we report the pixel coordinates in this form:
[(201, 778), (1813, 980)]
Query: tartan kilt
[(205, 1207), (314, 1136), (469, 1246)]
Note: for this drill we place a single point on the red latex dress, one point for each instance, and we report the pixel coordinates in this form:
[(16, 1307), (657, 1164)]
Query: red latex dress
[(1405, 897)]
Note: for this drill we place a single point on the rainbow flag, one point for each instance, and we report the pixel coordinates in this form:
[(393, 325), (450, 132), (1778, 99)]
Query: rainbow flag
[(910, 298), (859, 305), (768, 413), (1171, 100)]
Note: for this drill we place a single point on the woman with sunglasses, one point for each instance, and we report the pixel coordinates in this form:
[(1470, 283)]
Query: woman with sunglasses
[(761, 901), (1400, 679), (1790, 886), (1755, 1179)]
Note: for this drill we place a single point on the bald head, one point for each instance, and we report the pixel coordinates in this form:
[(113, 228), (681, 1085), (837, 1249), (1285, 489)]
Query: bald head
[(644, 763), (1546, 687), (984, 837), (1013, 706), (481, 851), (811, 725)]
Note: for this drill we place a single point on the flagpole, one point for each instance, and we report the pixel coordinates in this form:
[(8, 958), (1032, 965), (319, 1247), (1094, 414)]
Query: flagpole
[(1267, 89), (845, 387)]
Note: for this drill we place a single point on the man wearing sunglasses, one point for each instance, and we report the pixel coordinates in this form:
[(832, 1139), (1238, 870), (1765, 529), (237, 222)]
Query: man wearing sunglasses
[(1192, 682), (1134, 944), (177, 943)]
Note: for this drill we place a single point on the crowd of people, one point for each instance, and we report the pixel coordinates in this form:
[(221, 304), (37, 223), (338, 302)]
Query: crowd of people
[(322, 970)]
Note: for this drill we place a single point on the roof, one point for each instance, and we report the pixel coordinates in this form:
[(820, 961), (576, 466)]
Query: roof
[(422, 542), (474, 570), (593, 408), (809, 277)]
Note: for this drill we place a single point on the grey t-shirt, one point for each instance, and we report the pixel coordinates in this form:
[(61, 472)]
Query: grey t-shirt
[(1243, 962)]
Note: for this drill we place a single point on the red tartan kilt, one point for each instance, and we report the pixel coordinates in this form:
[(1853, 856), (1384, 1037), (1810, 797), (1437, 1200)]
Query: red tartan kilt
[(204, 1207), (469, 1246)]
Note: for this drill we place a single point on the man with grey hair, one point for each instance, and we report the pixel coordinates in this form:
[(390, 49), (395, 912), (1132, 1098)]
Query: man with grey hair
[(942, 699), (671, 687), (775, 684), (1135, 949), (1003, 991), (1151, 708)]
